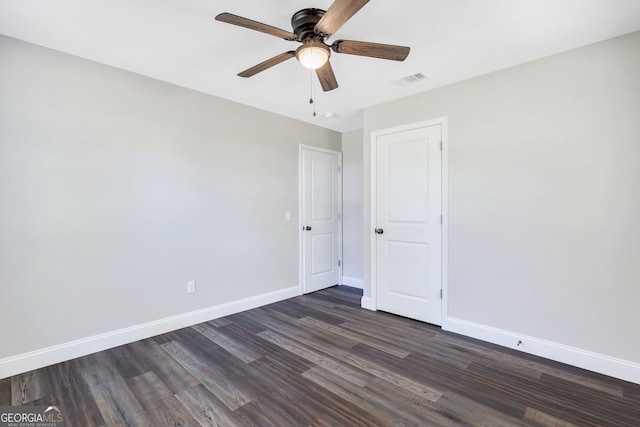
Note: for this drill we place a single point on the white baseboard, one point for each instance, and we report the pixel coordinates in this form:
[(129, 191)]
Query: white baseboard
[(368, 303), (596, 362), (353, 282), (59, 353)]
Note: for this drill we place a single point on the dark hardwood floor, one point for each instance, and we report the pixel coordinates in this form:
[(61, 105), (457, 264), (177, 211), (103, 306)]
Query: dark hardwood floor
[(321, 360)]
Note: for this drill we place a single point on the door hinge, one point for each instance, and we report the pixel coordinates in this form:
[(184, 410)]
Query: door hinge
[(339, 216), (339, 263), (339, 169), (440, 293), (441, 220), (440, 145)]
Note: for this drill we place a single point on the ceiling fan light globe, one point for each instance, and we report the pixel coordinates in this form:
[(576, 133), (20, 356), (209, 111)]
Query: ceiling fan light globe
[(313, 55)]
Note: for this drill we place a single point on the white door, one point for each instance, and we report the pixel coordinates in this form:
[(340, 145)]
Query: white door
[(320, 215), (408, 230)]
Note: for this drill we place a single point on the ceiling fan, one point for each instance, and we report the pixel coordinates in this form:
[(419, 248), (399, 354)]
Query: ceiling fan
[(311, 27)]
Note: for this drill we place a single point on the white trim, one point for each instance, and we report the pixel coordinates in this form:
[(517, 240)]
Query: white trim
[(368, 303), (353, 282), (319, 149), (301, 209), (300, 219), (445, 219), (340, 216), (596, 362), (371, 301), (59, 353)]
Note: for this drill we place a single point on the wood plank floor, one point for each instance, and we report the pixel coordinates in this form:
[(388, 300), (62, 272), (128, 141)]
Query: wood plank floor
[(321, 360)]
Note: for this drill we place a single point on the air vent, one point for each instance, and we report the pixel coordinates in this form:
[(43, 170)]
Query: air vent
[(408, 80)]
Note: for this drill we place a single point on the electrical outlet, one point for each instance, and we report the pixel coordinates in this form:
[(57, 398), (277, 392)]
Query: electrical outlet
[(191, 286)]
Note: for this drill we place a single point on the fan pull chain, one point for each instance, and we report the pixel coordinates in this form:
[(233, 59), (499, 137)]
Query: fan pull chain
[(311, 90)]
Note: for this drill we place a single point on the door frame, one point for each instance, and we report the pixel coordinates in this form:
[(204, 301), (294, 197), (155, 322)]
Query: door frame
[(301, 265), (371, 303)]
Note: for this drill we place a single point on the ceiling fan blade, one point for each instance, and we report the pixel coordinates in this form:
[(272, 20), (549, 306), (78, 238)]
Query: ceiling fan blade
[(267, 64), (374, 50), (327, 77), (255, 25), (337, 14)]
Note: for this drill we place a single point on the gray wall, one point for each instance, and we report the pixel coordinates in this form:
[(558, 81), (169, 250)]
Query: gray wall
[(116, 189), (544, 195), (352, 207)]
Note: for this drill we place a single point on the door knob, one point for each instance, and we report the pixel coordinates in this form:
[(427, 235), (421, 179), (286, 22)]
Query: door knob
[(379, 231), (307, 228)]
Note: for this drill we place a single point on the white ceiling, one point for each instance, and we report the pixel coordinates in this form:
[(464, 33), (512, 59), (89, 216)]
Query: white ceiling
[(178, 41)]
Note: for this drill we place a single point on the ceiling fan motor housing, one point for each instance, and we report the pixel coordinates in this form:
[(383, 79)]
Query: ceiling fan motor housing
[(304, 23)]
